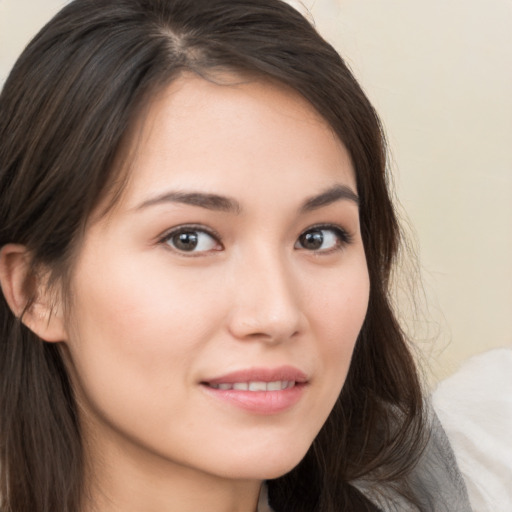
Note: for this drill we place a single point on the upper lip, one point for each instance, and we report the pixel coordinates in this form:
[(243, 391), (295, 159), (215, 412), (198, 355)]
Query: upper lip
[(281, 373)]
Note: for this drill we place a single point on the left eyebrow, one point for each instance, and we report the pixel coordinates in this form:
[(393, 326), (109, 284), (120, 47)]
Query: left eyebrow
[(329, 196)]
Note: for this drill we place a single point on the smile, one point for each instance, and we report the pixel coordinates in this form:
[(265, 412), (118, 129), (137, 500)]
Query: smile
[(278, 385), (264, 391)]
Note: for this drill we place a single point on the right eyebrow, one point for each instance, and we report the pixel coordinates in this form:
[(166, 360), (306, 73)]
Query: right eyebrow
[(201, 199)]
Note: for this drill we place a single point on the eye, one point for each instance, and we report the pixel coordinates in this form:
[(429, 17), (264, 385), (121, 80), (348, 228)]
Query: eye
[(191, 240), (323, 239)]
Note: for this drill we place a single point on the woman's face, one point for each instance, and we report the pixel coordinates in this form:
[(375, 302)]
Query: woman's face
[(216, 307)]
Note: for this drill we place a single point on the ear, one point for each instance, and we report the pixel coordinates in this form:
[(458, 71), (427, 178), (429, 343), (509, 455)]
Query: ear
[(28, 295)]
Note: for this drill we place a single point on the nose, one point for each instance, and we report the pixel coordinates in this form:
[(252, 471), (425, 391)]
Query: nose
[(266, 303)]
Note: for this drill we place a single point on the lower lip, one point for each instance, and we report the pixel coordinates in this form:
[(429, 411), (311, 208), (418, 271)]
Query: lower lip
[(260, 402)]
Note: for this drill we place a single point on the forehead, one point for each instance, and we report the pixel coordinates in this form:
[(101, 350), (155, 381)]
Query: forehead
[(230, 135)]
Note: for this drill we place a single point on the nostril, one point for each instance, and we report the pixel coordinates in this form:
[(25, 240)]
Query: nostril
[(255, 335)]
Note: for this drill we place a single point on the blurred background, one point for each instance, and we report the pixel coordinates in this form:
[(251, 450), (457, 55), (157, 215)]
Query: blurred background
[(440, 75)]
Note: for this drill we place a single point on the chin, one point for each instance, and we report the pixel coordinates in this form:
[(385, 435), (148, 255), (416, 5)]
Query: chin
[(265, 465)]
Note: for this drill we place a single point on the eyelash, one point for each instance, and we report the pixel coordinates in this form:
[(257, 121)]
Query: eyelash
[(189, 228), (343, 238)]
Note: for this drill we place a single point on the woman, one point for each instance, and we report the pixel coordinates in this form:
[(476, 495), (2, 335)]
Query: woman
[(196, 243)]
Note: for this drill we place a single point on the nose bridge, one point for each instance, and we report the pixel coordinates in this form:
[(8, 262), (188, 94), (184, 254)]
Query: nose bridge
[(266, 304)]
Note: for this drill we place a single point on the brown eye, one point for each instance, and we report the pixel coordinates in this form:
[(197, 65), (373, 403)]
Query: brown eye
[(312, 240), (322, 239), (191, 241)]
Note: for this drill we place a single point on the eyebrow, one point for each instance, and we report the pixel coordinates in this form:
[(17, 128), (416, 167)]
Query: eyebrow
[(329, 196), (227, 204), (201, 199)]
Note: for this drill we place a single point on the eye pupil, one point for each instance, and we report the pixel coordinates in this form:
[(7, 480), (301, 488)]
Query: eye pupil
[(312, 240), (186, 241)]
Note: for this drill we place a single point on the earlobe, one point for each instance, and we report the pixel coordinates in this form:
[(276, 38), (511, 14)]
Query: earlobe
[(28, 296)]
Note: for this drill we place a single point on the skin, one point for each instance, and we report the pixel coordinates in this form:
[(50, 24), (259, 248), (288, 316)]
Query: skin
[(150, 323)]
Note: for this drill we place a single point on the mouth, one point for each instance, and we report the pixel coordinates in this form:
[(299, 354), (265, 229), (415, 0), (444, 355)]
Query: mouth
[(259, 379), (254, 386), (259, 390)]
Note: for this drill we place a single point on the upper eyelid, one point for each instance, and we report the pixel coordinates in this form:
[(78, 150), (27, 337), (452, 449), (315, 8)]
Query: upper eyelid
[(334, 227), (192, 227)]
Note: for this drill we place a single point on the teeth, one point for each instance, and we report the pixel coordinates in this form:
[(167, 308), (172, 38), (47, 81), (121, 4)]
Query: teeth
[(277, 385), (257, 386)]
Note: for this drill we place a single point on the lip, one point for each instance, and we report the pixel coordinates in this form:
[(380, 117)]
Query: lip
[(289, 373), (259, 402)]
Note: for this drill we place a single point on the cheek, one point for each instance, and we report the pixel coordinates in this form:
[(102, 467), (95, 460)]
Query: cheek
[(136, 330), (338, 306), (337, 316), (142, 306)]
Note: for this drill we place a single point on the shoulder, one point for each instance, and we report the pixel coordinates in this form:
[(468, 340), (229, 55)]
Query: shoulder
[(435, 484)]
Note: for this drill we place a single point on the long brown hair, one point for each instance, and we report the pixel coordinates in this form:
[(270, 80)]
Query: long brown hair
[(65, 111)]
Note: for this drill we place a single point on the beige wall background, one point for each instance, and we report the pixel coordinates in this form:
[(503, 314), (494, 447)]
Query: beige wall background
[(440, 74)]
